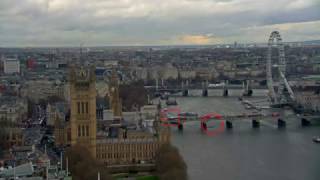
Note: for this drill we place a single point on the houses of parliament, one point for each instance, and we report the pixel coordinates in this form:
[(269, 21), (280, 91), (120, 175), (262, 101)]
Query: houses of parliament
[(118, 145)]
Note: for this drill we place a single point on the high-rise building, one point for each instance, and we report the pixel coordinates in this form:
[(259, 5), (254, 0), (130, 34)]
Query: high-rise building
[(11, 65), (31, 64)]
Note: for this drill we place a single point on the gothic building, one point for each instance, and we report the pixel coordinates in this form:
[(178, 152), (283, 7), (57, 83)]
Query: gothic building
[(118, 145), (83, 121), (115, 101)]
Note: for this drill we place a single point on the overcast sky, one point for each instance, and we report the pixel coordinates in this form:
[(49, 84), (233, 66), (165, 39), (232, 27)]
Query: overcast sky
[(155, 22)]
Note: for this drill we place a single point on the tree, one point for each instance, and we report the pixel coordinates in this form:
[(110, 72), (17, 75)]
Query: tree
[(5, 128), (54, 99), (170, 164), (83, 166), (31, 105), (133, 95)]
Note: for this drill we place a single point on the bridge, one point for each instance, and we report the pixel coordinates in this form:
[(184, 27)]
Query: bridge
[(226, 121), (204, 87), (281, 95)]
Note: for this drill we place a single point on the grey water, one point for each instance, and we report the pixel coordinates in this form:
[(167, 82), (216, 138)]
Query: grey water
[(244, 153)]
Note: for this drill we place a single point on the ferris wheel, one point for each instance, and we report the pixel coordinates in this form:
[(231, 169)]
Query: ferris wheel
[(284, 93)]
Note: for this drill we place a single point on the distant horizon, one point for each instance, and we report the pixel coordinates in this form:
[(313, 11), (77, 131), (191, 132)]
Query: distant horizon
[(317, 42)]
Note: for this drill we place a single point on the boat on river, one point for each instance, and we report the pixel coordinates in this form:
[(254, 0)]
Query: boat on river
[(171, 102), (316, 139)]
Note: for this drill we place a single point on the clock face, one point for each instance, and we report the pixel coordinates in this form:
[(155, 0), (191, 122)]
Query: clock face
[(82, 73)]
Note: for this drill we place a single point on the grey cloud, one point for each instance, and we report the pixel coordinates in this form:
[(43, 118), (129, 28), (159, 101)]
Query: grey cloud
[(119, 22)]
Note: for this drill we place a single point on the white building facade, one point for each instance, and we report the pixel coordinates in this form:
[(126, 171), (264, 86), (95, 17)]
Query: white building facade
[(11, 65)]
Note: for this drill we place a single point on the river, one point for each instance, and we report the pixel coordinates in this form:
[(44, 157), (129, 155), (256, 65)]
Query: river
[(244, 153)]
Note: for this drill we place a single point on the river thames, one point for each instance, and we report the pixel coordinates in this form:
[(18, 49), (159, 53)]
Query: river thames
[(245, 153)]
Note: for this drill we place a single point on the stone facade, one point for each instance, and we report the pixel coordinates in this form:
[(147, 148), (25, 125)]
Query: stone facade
[(126, 148), (83, 122), (309, 100), (42, 89)]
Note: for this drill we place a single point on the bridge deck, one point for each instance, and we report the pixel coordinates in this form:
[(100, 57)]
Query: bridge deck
[(238, 117)]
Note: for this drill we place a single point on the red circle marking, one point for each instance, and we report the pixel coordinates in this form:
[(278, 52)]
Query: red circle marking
[(205, 118), (165, 119)]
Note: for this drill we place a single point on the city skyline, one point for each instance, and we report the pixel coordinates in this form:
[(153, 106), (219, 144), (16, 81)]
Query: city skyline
[(127, 22), (171, 112)]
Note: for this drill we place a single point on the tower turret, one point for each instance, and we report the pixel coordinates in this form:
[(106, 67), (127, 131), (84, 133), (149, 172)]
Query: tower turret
[(83, 107)]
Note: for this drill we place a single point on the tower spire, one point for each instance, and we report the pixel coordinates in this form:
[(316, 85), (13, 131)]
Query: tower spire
[(114, 94)]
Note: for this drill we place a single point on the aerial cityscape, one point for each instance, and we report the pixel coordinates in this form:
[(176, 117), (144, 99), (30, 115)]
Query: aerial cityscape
[(159, 90)]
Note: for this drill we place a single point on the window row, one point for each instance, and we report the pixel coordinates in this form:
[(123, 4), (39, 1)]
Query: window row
[(83, 107), (139, 147), (126, 155), (83, 130)]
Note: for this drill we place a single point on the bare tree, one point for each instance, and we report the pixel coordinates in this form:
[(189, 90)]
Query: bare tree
[(83, 166), (170, 164)]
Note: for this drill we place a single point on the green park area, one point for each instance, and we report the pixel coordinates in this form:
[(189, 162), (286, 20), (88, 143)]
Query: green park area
[(148, 178)]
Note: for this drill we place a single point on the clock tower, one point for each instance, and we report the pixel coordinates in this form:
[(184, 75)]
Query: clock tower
[(115, 101), (83, 121)]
